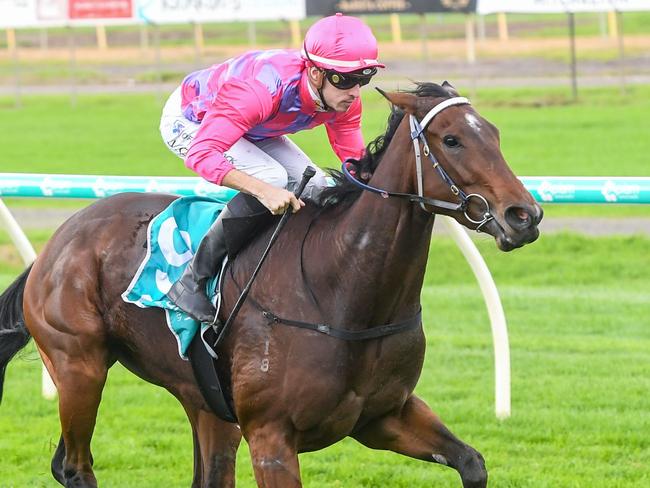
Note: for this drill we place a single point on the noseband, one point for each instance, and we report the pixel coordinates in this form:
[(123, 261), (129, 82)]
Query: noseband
[(417, 136)]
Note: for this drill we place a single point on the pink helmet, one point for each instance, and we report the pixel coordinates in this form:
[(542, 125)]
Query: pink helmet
[(341, 43)]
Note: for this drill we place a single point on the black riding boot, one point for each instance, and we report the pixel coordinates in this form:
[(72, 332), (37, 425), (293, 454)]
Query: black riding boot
[(244, 216), (188, 293)]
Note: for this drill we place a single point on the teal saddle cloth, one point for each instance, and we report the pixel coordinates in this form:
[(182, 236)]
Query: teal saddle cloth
[(173, 236)]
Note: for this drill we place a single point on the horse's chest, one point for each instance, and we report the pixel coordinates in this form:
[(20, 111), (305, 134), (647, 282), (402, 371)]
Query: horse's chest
[(373, 380), (387, 364), (387, 373)]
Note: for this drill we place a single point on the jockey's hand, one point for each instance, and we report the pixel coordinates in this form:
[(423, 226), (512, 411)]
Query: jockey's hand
[(277, 200)]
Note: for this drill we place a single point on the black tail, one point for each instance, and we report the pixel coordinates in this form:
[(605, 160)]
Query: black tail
[(13, 333)]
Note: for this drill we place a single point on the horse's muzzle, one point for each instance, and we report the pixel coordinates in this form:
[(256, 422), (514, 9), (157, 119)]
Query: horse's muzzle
[(518, 226)]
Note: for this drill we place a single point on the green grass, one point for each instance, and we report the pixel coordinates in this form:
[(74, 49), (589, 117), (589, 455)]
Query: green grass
[(604, 134), (542, 133), (586, 24), (578, 318)]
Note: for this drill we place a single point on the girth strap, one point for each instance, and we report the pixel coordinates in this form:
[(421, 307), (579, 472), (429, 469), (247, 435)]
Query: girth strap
[(350, 335), (346, 335)]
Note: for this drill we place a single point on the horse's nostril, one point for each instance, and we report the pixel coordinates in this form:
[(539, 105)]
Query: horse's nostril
[(519, 218), (522, 214)]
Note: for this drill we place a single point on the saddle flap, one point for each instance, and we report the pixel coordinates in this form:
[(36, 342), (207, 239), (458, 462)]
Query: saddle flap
[(211, 385)]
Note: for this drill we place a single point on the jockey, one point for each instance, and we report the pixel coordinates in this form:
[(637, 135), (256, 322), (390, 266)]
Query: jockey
[(228, 122)]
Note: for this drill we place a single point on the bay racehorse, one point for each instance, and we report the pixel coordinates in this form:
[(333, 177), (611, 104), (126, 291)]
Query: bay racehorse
[(355, 262)]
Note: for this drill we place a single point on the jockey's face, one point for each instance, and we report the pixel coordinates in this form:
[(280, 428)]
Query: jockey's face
[(338, 99)]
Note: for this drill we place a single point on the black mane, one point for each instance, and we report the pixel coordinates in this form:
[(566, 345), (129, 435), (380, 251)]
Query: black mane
[(344, 191)]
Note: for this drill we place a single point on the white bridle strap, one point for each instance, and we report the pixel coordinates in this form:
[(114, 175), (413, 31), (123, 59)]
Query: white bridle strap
[(440, 107), (418, 159), (416, 131)]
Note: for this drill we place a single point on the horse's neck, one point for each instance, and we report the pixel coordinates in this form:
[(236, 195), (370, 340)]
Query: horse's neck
[(383, 243)]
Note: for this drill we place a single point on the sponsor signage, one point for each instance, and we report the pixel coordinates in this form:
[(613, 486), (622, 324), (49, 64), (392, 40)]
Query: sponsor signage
[(319, 7), (558, 189), (100, 9), (50, 13), (175, 11), (18, 13), (559, 6), (46, 13), (51, 10)]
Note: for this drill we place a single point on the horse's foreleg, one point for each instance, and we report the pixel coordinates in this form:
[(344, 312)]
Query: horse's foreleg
[(417, 432), (215, 449), (275, 460)]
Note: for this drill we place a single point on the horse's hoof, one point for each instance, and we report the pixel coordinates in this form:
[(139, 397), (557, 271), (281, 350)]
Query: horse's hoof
[(81, 480)]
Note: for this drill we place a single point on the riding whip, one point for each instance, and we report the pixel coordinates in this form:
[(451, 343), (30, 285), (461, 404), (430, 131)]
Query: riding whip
[(306, 176)]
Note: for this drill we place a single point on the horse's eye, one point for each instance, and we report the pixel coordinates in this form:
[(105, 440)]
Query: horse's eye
[(450, 141)]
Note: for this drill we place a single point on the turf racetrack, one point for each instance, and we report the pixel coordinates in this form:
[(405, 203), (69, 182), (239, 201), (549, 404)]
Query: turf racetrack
[(577, 311)]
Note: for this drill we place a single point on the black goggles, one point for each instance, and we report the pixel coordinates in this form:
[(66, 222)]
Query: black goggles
[(345, 81)]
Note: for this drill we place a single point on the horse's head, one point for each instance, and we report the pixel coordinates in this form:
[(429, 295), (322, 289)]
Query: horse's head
[(462, 163)]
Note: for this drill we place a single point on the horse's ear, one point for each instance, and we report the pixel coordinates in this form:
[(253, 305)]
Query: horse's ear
[(405, 101), (449, 88)]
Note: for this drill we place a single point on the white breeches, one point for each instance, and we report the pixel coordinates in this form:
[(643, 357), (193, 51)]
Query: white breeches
[(277, 160)]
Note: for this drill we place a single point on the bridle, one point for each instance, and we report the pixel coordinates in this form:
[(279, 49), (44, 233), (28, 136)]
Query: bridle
[(417, 136)]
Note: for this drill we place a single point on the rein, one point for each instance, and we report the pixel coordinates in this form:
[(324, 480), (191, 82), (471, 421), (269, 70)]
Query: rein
[(417, 136)]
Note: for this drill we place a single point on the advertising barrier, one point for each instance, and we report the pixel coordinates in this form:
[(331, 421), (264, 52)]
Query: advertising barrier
[(545, 189)]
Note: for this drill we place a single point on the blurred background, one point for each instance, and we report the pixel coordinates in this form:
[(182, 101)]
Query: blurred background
[(82, 82), (148, 45)]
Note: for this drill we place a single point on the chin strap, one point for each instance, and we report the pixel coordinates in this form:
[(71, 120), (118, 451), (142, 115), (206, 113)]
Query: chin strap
[(322, 99)]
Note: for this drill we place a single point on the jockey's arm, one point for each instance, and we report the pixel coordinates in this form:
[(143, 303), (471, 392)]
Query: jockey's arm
[(240, 106)]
